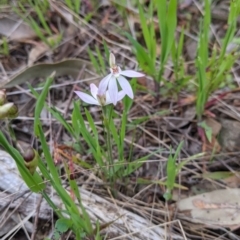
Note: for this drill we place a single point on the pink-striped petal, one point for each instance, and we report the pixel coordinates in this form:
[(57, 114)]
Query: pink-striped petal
[(104, 84), (131, 73), (125, 85), (113, 90), (87, 98)]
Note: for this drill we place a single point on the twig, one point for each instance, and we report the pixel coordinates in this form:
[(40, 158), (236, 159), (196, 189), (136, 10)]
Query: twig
[(36, 218)]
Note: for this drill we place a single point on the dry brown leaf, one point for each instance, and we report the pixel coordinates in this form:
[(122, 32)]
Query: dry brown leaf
[(214, 125), (216, 208), (186, 101), (213, 146), (36, 52), (105, 19), (15, 30), (40, 48), (232, 182), (187, 117)]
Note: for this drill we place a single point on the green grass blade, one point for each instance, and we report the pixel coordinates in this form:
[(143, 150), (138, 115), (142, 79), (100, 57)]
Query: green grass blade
[(145, 61), (40, 103), (92, 125), (75, 122), (106, 49), (145, 29), (69, 4), (153, 40), (171, 24), (50, 163), (56, 114), (93, 61), (42, 20), (34, 182), (101, 61), (161, 6)]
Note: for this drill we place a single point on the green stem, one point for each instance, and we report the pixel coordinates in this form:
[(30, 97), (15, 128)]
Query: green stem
[(106, 121), (78, 236), (52, 204)]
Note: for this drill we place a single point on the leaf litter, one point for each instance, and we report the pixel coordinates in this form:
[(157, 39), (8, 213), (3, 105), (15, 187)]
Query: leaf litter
[(164, 123)]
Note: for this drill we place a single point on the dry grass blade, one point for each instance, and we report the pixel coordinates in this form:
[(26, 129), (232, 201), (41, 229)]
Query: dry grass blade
[(15, 30)]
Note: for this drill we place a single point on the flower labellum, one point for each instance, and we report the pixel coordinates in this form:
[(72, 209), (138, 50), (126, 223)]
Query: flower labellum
[(117, 75)]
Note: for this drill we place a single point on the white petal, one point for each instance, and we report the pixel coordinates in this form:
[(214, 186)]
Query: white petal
[(103, 84), (87, 98), (113, 90), (121, 95), (94, 90), (108, 99), (131, 73), (126, 87)]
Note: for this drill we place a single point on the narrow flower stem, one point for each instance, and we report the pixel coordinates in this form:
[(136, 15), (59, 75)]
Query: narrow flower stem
[(106, 120)]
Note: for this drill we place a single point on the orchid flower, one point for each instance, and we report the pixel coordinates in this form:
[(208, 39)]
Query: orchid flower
[(97, 98), (110, 81)]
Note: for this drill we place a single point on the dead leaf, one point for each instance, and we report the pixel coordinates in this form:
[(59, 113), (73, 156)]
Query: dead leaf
[(40, 48), (15, 30), (36, 52), (187, 117), (233, 181), (210, 143), (213, 146), (187, 101), (216, 208), (65, 67), (105, 19), (214, 125)]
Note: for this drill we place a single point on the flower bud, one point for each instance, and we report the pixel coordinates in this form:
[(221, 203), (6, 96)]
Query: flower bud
[(29, 155), (5, 109), (72, 176), (31, 159), (13, 112), (112, 60), (2, 97)]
